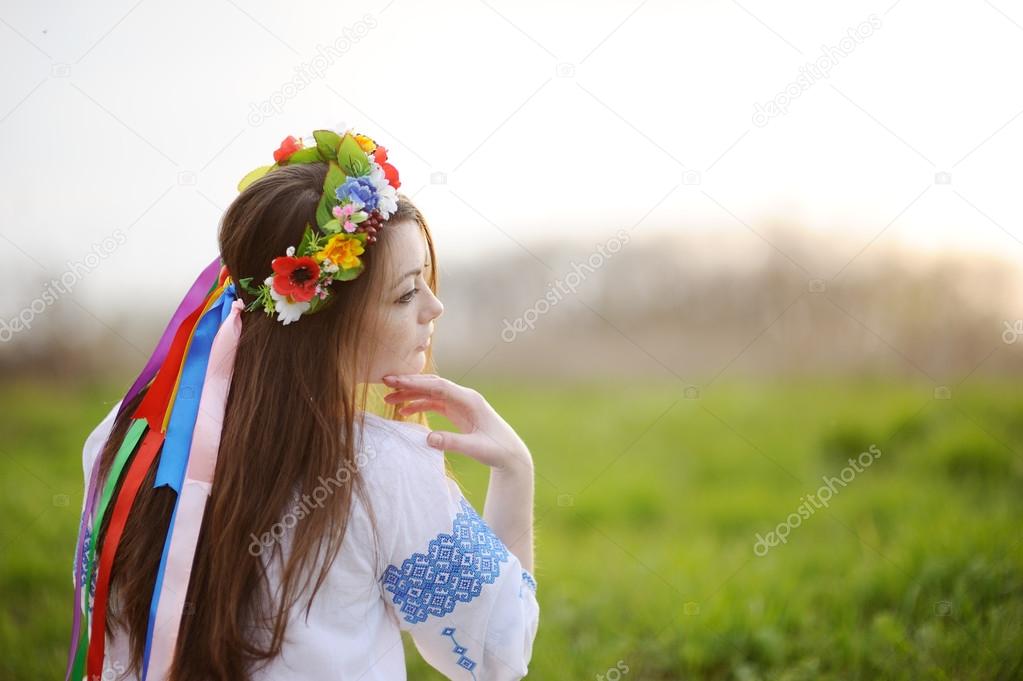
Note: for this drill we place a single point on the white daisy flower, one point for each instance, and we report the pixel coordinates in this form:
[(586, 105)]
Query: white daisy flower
[(387, 196), (287, 311)]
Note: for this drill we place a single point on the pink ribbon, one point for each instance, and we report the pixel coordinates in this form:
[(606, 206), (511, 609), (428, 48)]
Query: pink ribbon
[(202, 462), (194, 296)]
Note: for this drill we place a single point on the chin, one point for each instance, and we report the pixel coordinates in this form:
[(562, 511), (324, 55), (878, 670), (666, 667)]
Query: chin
[(414, 364), (419, 363)]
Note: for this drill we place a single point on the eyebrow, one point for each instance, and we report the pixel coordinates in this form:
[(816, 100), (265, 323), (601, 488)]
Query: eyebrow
[(409, 274)]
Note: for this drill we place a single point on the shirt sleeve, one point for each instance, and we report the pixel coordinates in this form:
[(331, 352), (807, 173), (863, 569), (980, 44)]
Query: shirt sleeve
[(466, 600)]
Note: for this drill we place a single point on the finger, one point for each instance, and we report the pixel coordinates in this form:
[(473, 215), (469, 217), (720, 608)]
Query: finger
[(446, 441), (431, 384), (412, 393), (409, 395), (422, 405), (403, 395)]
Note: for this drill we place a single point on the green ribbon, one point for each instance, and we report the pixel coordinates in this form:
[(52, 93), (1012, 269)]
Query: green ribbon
[(131, 439)]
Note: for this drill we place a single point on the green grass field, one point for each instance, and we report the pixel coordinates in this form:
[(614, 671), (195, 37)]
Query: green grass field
[(648, 508)]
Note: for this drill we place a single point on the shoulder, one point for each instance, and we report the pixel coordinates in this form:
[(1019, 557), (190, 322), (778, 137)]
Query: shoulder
[(98, 437), (394, 440), (396, 449), (102, 430), (401, 472)]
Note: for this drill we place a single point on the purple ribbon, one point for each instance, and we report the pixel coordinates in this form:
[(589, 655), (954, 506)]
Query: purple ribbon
[(196, 294)]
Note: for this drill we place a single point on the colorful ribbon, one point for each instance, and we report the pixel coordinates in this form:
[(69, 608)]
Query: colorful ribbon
[(192, 298), (181, 427), (131, 440), (181, 423), (176, 416), (200, 290), (153, 411), (191, 506), (172, 404), (125, 499)]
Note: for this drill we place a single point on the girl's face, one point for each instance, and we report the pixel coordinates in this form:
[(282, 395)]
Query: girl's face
[(407, 308)]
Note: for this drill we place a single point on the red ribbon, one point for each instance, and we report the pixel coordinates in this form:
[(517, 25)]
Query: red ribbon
[(157, 400), (153, 409), (125, 499)]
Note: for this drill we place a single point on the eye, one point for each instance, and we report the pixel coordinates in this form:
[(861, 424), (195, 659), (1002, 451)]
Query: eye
[(407, 298)]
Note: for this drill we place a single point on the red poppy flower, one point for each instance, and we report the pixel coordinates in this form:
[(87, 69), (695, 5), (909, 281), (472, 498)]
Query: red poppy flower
[(296, 277), (390, 172), (288, 147)]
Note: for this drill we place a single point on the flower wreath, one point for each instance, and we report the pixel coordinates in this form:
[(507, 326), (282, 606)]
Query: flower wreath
[(359, 194)]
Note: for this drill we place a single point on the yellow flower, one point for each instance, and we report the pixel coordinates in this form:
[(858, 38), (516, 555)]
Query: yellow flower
[(367, 145), (343, 250)]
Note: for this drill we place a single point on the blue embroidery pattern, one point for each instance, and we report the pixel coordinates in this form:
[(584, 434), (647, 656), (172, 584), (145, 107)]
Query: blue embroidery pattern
[(454, 568), (86, 542), (463, 660), (528, 580)]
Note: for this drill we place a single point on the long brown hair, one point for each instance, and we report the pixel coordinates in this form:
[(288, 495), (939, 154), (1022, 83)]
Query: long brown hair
[(288, 426)]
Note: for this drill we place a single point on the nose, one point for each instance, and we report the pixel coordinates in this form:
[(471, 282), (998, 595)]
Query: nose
[(435, 308), (438, 308)]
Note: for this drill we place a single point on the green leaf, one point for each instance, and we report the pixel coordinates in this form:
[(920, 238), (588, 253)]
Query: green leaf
[(315, 304), (323, 214), (263, 299), (334, 179), (307, 244), (254, 175), (352, 158), (246, 286), (269, 306), (331, 227), (311, 243), (327, 141), (349, 274), (306, 155)]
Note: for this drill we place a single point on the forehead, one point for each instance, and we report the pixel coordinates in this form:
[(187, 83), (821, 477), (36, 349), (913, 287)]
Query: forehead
[(409, 246)]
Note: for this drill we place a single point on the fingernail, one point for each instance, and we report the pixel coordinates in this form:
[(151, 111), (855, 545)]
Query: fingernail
[(433, 439), (388, 379)]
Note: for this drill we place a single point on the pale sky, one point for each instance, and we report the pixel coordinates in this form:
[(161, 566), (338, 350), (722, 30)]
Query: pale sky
[(547, 118)]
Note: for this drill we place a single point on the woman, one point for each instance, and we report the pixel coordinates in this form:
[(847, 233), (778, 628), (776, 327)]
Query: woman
[(253, 518)]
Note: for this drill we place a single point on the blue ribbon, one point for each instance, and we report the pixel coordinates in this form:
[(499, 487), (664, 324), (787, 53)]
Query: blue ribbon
[(174, 458), (178, 442)]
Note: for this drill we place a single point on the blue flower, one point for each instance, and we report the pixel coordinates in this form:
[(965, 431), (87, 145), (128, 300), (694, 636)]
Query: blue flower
[(360, 191)]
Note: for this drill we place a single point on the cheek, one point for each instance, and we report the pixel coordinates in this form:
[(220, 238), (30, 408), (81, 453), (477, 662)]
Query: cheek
[(399, 327)]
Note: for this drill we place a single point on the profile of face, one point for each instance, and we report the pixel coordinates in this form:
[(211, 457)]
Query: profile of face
[(402, 321)]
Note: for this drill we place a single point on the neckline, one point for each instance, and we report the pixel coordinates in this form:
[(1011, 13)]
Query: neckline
[(413, 433), (391, 422)]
